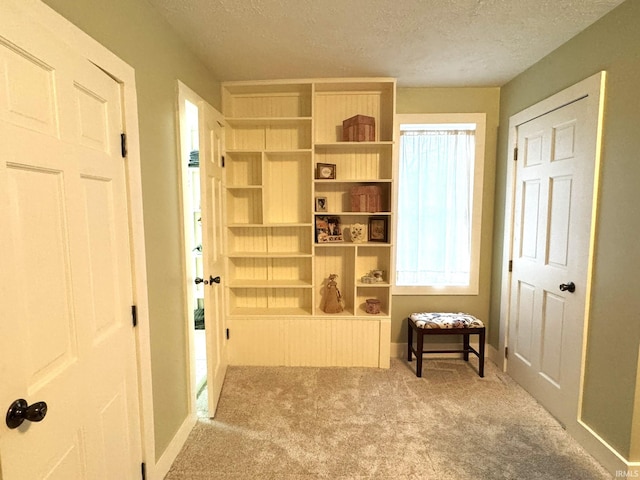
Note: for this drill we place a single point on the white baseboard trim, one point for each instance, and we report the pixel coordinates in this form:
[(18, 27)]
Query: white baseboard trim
[(492, 353), (605, 454), (398, 350), (164, 463)]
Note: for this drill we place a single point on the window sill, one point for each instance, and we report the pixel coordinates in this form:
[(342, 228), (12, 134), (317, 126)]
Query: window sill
[(444, 290)]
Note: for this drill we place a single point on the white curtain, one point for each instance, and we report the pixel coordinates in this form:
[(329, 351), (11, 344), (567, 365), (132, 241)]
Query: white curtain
[(434, 207)]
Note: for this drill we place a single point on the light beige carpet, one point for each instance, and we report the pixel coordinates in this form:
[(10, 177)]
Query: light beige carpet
[(357, 423)]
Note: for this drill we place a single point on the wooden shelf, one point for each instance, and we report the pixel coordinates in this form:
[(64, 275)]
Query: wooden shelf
[(261, 121), (241, 283), (277, 131), (352, 214), (362, 313), (345, 313), (355, 85), (270, 312), (373, 244), (268, 255), (351, 180), (244, 187), (351, 244), (351, 145), (267, 225)]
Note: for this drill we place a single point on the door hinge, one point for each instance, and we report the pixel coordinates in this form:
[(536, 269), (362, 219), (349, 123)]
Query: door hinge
[(227, 334), (511, 265), (143, 471), (515, 154), (123, 145), (222, 159), (506, 352), (134, 315)]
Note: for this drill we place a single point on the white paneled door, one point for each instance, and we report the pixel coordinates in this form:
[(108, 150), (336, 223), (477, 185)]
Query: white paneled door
[(66, 335), (552, 224), (211, 175)]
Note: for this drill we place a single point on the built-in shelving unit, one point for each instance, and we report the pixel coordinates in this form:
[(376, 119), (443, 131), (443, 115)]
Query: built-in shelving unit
[(276, 134)]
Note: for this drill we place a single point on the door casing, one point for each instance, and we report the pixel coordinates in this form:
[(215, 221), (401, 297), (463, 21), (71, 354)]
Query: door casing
[(124, 74), (185, 93), (593, 88)]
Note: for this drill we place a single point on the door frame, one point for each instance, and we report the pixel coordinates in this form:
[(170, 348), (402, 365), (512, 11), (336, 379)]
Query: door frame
[(592, 90), (124, 74), (185, 93)]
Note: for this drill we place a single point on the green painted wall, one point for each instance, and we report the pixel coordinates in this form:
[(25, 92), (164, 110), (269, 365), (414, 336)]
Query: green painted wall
[(137, 34), (455, 100), (611, 44)]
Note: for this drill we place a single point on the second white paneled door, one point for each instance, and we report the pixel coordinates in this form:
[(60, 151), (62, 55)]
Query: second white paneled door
[(552, 232), (212, 191)]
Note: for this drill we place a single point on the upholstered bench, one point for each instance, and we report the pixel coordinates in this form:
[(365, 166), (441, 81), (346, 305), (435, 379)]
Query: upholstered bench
[(429, 323)]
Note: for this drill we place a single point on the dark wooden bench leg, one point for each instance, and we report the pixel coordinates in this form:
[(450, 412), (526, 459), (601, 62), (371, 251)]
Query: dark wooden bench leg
[(465, 346), (481, 351), (419, 350), (409, 339)]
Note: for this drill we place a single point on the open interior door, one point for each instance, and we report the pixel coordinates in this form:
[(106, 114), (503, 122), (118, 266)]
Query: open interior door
[(211, 187)]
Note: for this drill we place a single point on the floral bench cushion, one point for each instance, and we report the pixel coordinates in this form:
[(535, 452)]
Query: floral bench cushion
[(445, 320)]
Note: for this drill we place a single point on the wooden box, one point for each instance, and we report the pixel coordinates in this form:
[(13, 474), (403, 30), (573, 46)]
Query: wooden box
[(359, 128), (366, 199)]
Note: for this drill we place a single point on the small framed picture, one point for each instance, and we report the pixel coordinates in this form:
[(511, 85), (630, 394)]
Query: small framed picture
[(326, 171), (328, 229), (378, 229), (321, 204)]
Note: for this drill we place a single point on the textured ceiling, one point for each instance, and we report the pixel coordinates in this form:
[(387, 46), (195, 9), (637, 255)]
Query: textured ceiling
[(432, 43)]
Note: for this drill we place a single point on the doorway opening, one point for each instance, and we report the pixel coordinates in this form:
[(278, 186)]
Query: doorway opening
[(193, 250)]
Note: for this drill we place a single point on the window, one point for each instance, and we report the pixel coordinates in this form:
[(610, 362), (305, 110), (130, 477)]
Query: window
[(438, 203)]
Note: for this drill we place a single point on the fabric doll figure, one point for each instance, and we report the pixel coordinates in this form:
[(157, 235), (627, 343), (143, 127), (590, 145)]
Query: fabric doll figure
[(333, 299)]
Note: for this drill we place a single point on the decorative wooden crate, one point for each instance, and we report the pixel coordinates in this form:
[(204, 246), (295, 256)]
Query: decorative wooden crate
[(366, 199), (359, 128)]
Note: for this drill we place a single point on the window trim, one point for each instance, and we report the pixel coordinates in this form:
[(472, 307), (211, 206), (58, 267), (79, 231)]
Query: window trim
[(480, 119)]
